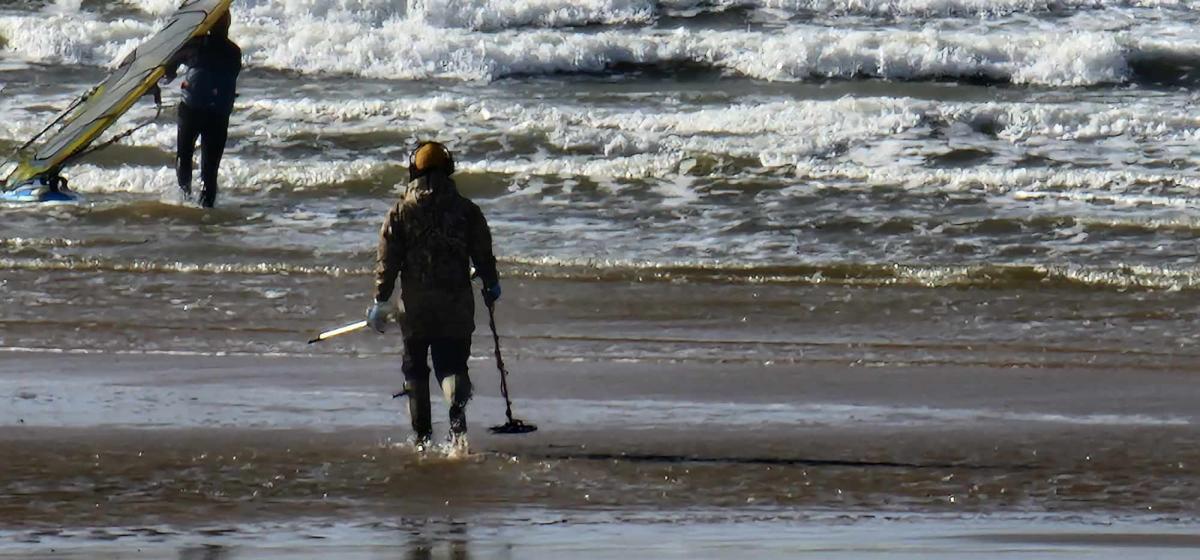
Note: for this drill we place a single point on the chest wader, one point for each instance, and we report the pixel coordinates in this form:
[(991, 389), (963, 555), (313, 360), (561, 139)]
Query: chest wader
[(450, 368)]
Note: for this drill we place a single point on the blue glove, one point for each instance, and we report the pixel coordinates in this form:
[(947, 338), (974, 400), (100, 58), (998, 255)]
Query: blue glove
[(491, 293)]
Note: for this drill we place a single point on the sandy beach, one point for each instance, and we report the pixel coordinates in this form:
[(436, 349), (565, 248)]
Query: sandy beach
[(305, 456)]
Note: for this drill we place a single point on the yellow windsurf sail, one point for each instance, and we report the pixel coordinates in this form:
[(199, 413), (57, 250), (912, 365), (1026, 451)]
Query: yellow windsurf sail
[(137, 73)]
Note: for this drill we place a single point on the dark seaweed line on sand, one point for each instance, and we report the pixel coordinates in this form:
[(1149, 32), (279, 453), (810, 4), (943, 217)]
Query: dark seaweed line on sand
[(783, 461)]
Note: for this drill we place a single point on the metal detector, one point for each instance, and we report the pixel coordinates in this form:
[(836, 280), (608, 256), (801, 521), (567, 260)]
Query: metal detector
[(513, 425)]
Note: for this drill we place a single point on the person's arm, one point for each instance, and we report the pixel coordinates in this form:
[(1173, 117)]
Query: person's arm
[(480, 247), (237, 67), (238, 54), (390, 256), (171, 68)]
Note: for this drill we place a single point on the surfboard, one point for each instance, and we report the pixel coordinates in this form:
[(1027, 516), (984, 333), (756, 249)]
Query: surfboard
[(39, 190), (91, 114)]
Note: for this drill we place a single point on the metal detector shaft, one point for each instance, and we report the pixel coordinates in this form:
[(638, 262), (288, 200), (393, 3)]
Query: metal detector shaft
[(500, 361), (339, 331), (513, 425)]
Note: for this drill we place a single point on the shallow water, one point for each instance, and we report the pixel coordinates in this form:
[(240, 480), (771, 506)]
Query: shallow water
[(191, 478), (798, 142)]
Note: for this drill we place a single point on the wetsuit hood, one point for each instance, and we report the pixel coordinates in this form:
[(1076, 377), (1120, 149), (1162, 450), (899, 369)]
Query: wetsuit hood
[(220, 29)]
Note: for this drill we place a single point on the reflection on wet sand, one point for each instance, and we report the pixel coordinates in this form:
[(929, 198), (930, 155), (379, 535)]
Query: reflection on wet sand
[(423, 548), (667, 536), (206, 552), (452, 546)]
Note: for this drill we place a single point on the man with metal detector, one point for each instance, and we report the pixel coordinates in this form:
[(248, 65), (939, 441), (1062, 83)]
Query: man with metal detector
[(430, 238)]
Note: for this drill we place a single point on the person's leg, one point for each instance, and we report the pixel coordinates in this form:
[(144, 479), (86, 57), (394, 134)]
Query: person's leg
[(416, 383), (212, 147), (185, 148), (450, 357)]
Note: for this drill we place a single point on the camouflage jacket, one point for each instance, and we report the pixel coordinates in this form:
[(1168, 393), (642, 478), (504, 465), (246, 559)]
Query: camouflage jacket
[(430, 238)]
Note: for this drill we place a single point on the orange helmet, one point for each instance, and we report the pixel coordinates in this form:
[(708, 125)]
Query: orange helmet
[(430, 156)]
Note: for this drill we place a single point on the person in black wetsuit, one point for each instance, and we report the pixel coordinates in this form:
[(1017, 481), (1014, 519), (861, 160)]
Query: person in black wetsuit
[(209, 88)]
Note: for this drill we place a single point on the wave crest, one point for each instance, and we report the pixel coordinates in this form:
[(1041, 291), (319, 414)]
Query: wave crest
[(411, 49), (982, 276)]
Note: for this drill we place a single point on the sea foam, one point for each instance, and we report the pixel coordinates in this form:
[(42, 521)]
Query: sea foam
[(492, 15), (661, 142), (387, 45)]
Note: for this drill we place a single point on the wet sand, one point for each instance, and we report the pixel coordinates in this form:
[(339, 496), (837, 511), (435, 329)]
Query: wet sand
[(181, 414), (249, 457)]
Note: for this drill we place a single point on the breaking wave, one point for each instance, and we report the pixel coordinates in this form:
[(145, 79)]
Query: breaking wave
[(1128, 188), (771, 140), (374, 42), (507, 14)]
